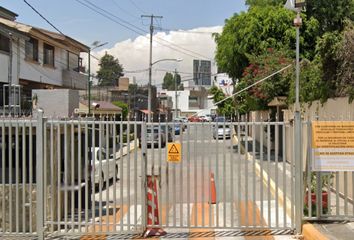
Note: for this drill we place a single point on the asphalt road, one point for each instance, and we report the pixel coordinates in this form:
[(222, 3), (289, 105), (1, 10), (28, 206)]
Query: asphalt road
[(243, 199)]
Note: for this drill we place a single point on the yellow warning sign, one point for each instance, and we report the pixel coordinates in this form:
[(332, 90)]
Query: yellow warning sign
[(174, 152), (333, 146)]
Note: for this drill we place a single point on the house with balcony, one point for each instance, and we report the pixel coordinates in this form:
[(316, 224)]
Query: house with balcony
[(190, 101), (34, 58)]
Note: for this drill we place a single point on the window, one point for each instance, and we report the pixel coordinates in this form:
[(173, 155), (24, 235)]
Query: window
[(48, 55), (4, 43), (32, 49), (193, 99), (73, 62)]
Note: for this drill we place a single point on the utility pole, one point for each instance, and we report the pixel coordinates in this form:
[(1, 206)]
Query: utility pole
[(89, 82), (10, 75), (176, 97), (150, 62), (298, 131)]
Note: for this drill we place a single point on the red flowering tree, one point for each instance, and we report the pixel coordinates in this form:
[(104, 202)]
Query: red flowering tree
[(261, 66)]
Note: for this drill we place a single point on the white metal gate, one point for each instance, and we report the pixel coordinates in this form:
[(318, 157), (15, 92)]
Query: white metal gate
[(248, 162), (89, 177)]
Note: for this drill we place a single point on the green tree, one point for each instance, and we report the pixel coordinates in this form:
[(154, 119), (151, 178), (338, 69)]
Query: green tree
[(331, 14), (124, 107), (264, 3), (255, 31), (263, 65), (345, 57), (110, 71), (226, 108), (132, 88), (169, 82)]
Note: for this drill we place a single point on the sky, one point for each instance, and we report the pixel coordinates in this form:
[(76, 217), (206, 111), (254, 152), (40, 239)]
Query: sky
[(184, 32)]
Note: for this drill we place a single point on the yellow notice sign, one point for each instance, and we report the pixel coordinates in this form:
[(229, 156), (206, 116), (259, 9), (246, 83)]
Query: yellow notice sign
[(174, 153), (333, 146)]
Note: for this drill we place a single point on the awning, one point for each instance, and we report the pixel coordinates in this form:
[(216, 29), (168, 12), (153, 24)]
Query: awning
[(277, 102), (145, 111)]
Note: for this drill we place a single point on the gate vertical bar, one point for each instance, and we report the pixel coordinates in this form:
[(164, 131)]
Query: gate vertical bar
[(39, 176), (144, 173)]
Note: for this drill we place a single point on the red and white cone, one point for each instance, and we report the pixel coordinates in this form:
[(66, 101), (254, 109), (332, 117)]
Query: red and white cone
[(152, 200)]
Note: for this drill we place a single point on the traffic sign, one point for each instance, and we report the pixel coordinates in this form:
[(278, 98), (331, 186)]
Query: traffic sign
[(174, 153)]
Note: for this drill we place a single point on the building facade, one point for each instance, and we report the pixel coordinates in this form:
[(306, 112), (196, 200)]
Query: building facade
[(34, 58), (202, 72)]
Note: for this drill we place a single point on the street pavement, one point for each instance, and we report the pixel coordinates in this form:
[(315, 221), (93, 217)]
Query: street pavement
[(244, 203)]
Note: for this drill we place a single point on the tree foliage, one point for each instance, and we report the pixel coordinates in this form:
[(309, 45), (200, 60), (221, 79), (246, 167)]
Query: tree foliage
[(124, 107), (261, 66), (264, 3), (110, 71), (225, 108), (255, 31), (169, 82), (326, 51), (345, 57), (331, 14)]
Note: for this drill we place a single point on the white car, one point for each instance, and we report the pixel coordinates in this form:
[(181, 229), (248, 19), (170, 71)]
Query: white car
[(105, 165), (222, 130)]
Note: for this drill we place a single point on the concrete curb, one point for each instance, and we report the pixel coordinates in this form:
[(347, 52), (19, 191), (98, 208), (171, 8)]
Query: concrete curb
[(310, 232), (265, 181)]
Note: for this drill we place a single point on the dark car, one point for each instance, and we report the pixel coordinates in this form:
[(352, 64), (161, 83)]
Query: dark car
[(169, 132)]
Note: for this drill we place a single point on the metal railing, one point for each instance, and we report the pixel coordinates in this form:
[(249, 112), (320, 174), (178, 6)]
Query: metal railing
[(89, 177), (328, 196)]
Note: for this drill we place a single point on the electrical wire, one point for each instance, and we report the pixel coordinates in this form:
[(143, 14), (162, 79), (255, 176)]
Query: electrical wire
[(244, 89), (45, 19), (136, 6), (123, 10), (138, 30)]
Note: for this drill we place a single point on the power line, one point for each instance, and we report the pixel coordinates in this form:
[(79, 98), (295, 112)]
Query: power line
[(138, 30), (246, 88), (122, 9), (136, 6), (43, 17)]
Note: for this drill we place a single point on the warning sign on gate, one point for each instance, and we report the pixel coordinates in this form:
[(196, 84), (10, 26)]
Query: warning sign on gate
[(174, 152), (333, 146)]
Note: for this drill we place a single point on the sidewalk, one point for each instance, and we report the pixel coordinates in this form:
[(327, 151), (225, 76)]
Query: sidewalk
[(311, 231)]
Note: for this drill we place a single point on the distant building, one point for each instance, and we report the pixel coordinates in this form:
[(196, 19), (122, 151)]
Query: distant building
[(189, 101), (225, 83), (202, 72)]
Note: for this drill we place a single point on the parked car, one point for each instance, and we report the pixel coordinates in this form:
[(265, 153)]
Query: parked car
[(222, 130), (105, 165), (169, 132), (208, 118), (177, 127), (194, 119), (220, 119), (153, 136)]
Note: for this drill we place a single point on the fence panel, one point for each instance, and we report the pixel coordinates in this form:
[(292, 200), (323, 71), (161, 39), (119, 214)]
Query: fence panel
[(232, 175), (18, 183)]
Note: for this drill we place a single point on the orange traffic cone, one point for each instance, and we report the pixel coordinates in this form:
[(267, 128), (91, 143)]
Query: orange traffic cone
[(212, 189), (152, 199)]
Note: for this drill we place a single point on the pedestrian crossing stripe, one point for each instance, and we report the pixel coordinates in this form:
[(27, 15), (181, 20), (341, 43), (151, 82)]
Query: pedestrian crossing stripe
[(174, 152)]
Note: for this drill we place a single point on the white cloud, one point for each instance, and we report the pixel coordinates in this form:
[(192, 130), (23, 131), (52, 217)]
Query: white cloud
[(134, 54)]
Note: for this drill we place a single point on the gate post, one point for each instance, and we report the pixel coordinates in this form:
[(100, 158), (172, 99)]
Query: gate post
[(144, 173), (39, 175), (298, 173)]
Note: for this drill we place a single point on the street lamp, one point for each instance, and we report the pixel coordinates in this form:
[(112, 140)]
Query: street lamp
[(149, 85), (95, 45), (296, 6)]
